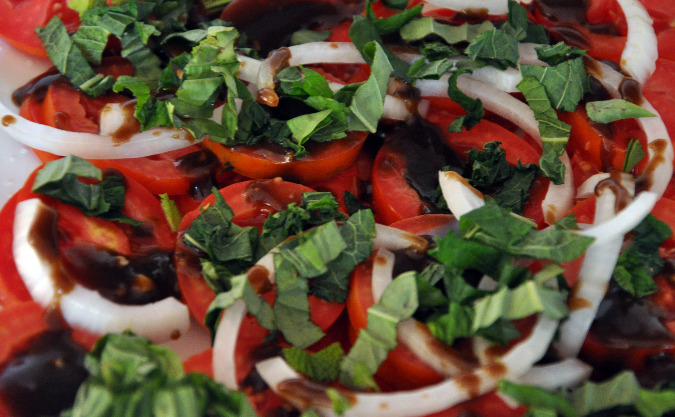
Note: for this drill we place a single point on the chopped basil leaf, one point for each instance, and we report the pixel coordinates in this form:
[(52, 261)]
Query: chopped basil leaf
[(131, 376), (171, 212), (420, 29), (568, 222), (494, 47), (616, 109), (393, 23), (61, 179), (70, 61), (398, 302), (322, 366), (565, 83), (474, 107), (554, 133), (620, 395), (364, 31), (634, 154), (396, 4), (517, 23), (491, 171), (641, 260)]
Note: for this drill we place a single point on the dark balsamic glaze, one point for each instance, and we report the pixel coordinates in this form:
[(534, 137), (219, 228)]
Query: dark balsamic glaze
[(131, 280), (425, 151), (269, 24), (201, 168), (37, 87), (43, 379)]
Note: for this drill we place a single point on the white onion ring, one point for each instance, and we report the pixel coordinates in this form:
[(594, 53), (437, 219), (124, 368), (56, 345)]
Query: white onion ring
[(459, 195), (85, 308), (225, 343), (423, 401), (640, 53), (568, 373)]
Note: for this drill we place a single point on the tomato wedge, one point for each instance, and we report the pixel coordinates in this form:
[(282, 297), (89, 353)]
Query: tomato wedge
[(252, 202), (266, 160), (20, 18)]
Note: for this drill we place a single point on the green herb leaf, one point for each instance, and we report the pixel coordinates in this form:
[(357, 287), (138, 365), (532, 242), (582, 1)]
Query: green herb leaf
[(634, 154), (424, 27), (565, 83), (398, 302), (608, 111), (364, 31), (171, 212), (70, 61), (495, 47), (393, 23), (638, 264), (473, 107), (322, 366), (61, 179), (303, 36), (131, 376), (554, 133)]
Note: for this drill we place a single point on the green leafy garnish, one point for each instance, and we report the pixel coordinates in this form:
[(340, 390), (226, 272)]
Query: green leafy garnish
[(171, 212), (364, 31), (554, 133), (322, 366), (621, 395), (424, 27), (634, 154), (61, 179), (494, 47), (641, 260), (490, 171), (565, 83), (608, 111), (398, 302), (131, 376), (474, 107), (393, 23)]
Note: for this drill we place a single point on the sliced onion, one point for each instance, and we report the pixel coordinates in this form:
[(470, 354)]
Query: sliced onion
[(381, 276), (419, 402), (81, 307), (596, 271), (659, 168), (325, 53), (224, 344), (391, 238), (568, 373), (640, 53), (89, 145), (459, 195)]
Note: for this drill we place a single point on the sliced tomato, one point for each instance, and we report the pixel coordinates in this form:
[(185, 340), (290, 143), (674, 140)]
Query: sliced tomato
[(76, 230), (200, 363), (664, 210), (251, 202), (393, 198), (325, 159), (20, 18), (660, 92), (488, 405)]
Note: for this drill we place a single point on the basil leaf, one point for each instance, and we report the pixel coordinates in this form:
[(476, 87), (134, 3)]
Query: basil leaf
[(420, 29), (70, 61), (616, 109), (496, 48), (322, 366), (565, 83), (473, 107), (362, 32), (171, 212), (634, 154), (554, 133), (638, 264), (393, 23), (60, 179), (129, 373), (398, 302), (303, 36)]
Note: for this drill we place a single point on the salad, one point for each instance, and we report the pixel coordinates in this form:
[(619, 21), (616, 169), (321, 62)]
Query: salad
[(318, 208)]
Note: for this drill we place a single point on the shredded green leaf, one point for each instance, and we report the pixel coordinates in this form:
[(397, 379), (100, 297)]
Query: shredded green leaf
[(608, 111)]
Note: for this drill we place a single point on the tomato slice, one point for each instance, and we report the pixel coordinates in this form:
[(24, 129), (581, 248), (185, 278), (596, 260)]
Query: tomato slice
[(251, 201), (200, 363), (266, 160), (20, 18)]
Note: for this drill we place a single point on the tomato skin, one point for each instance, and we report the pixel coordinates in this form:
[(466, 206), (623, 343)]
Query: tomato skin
[(325, 160), (19, 19), (393, 198), (200, 363), (248, 210)]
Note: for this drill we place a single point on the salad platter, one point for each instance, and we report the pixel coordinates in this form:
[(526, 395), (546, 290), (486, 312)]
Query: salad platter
[(318, 208)]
